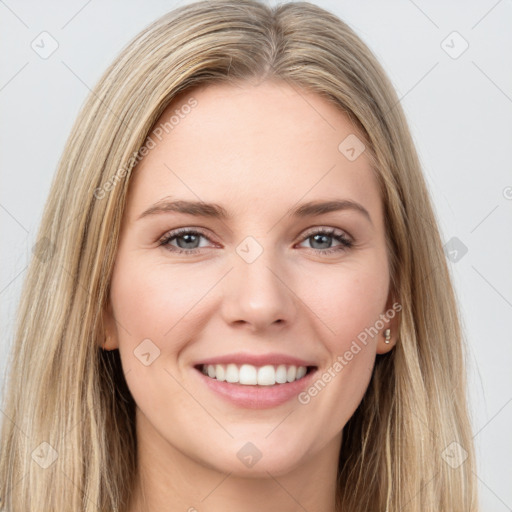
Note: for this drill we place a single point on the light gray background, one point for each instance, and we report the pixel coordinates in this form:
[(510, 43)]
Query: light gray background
[(460, 114)]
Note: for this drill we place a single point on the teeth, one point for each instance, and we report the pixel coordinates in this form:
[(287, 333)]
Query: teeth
[(220, 372), (250, 375)]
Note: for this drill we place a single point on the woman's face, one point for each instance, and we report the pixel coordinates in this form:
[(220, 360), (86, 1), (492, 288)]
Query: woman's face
[(270, 282)]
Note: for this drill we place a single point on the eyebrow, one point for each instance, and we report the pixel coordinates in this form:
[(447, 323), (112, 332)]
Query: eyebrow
[(216, 211)]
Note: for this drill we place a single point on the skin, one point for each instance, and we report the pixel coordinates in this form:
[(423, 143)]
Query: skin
[(257, 150)]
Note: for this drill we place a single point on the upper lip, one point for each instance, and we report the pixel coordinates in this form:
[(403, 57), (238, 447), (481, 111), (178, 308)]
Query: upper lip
[(256, 360)]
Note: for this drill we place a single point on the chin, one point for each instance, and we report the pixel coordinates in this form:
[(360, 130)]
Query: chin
[(256, 459)]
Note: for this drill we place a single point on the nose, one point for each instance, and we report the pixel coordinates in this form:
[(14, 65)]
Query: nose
[(258, 295)]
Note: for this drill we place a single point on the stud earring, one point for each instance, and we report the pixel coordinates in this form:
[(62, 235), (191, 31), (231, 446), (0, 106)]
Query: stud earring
[(387, 334)]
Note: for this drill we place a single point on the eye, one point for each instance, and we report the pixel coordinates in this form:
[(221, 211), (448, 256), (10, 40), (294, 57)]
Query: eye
[(323, 238), (187, 240)]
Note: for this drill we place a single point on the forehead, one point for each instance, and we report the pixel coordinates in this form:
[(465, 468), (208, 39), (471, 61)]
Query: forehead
[(250, 146)]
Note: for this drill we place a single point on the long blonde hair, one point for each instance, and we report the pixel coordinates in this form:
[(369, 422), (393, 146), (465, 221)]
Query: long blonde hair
[(68, 435)]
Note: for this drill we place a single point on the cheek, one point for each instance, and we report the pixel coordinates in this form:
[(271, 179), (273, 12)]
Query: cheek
[(152, 306), (155, 301), (353, 300), (348, 302)]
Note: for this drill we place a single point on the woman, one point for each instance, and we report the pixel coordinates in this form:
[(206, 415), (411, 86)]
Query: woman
[(240, 298)]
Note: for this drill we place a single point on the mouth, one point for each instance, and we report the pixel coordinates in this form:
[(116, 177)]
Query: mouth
[(255, 376)]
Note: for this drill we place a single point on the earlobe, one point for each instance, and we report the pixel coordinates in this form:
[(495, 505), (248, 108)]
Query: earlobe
[(388, 337), (386, 341), (108, 336), (108, 343)]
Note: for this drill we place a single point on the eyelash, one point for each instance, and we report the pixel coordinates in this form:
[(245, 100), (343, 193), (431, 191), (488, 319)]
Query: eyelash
[(346, 243)]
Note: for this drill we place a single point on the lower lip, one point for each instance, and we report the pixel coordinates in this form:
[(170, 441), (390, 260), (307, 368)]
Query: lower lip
[(257, 397)]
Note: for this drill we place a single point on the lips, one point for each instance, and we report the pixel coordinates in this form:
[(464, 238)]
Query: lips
[(256, 381)]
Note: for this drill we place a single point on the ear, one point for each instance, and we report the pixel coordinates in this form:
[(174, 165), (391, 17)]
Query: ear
[(108, 337), (391, 319)]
